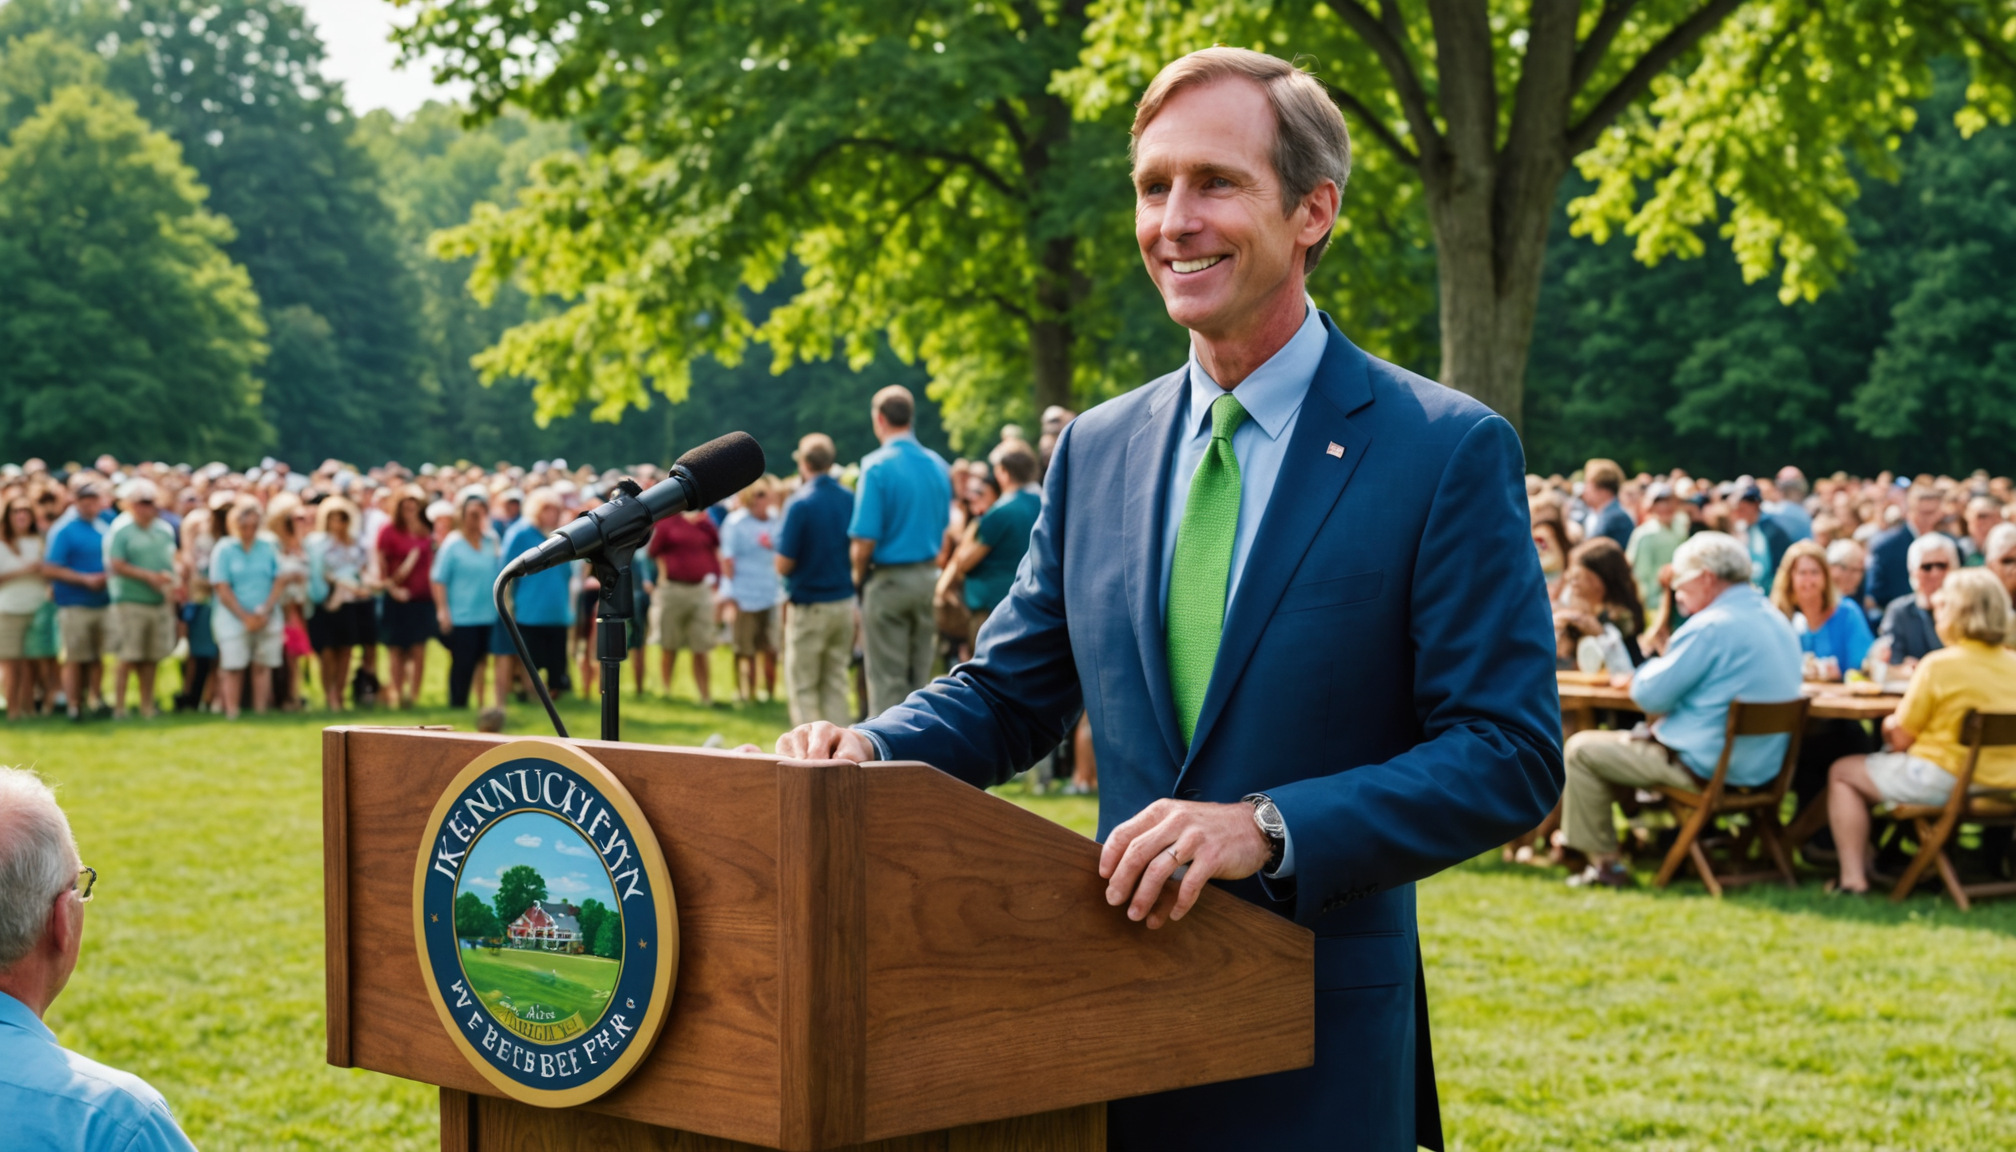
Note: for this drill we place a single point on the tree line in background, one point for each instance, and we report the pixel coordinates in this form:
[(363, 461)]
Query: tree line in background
[(203, 253)]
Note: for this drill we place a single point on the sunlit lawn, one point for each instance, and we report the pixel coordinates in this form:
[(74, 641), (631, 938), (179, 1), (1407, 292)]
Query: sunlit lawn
[(1769, 1020)]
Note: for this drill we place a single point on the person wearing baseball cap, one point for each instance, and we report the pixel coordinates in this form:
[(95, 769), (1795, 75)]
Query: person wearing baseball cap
[(76, 562), (140, 551), (1652, 542), (1760, 534)]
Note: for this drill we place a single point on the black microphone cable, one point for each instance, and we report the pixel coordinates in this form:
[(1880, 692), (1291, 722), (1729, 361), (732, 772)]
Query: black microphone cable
[(524, 653)]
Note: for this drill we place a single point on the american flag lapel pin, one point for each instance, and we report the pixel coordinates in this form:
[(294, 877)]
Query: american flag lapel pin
[(1335, 449)]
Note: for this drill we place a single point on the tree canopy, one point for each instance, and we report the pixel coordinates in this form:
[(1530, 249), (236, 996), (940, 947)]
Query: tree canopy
[(1906, 364), (911, 159), (238, 84), (122, 320), (520, 887)]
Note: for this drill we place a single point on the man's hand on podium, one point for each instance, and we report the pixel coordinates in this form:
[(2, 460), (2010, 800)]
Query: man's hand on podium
[(820, 740), (1216, 841)]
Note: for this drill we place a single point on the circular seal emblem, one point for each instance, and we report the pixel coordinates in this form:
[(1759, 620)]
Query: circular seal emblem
[(545, 921)]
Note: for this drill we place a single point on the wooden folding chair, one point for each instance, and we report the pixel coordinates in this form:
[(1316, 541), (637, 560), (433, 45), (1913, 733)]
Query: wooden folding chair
[(1936, 824), (1697, 810)]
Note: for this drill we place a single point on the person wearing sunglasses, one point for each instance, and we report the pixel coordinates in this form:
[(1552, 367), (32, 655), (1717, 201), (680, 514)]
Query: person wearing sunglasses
[(51, 1097), (1907, 620)]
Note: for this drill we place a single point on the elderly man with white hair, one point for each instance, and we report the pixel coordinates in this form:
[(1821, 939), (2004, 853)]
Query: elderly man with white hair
[(1734, 646), (1999, 554), (1908, 634), (51, 1097)]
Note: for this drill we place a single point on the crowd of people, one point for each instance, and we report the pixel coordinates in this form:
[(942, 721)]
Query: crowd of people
[(1694, 594), (272, 587)]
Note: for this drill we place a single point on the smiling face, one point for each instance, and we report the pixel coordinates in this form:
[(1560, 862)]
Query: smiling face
[(1207, 210), (1809, 581)]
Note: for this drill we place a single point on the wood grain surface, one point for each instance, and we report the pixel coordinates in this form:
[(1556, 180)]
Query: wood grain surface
[(335, 898), (1001, 983), (715, 1068), (873, 956), (822, 939), (495, 1125)]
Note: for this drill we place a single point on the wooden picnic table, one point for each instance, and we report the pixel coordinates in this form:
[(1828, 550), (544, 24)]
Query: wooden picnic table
[(1830, 702)]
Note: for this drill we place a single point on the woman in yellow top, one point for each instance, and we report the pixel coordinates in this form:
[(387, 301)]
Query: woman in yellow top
[(1972, 673)]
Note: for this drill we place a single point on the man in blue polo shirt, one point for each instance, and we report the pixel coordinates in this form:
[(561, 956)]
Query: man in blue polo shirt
[(51, 1097), (812, 553), (901, 508), (76, 565)]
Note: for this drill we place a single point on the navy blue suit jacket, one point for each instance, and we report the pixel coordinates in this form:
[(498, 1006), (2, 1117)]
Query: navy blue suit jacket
[(1888, 574), (1385, 673)]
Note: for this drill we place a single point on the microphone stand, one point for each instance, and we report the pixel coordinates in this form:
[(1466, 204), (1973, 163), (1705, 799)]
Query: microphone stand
[(614, 608)]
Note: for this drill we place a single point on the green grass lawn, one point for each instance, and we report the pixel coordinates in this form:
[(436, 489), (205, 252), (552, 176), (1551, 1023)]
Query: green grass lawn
[(543, 986), (1768, 1020)]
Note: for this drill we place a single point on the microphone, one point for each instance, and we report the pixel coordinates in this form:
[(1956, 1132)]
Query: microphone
[(702, 477)]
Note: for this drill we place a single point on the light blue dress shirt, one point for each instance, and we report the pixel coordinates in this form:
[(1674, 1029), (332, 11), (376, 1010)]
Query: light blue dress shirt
[(52, 1098), (1738, 648), (1272, 396)]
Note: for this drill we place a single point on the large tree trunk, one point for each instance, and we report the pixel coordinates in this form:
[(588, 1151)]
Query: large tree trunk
[(1489, 274), (1489, 203), (1050, 330)]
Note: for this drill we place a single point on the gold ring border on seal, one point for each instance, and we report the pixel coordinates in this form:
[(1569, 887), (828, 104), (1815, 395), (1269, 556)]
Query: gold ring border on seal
[(648, 851)]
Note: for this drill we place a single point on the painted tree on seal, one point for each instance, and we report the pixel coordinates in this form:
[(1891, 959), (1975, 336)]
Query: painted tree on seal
[(520, 887)]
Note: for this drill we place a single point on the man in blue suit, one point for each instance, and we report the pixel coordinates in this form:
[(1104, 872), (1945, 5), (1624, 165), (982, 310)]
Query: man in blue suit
[(1294, 588)]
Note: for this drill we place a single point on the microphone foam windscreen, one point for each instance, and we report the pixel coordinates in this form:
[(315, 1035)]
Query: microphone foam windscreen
[(724, 466)]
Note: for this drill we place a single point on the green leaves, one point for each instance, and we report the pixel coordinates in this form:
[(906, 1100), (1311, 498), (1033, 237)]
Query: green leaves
[(122, 321), (912, 160)]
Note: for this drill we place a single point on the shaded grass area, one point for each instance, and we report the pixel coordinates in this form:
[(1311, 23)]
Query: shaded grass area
[(1667, 1021)]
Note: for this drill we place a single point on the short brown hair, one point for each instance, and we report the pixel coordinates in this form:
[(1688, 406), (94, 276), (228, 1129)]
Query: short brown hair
[(1604, 474), (1015, 458), (815, 451), (896, 405), (1311, 143)]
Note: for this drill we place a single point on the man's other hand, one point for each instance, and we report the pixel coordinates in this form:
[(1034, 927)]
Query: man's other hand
[(821, 740), (1217, 841)]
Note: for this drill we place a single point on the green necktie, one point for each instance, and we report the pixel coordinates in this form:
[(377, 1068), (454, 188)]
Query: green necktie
[(1203, 565)]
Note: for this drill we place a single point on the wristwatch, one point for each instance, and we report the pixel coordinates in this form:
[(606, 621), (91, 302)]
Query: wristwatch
[(1268, 817)]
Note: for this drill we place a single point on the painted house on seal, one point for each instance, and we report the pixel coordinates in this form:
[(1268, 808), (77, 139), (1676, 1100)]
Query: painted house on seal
[(547, 926)]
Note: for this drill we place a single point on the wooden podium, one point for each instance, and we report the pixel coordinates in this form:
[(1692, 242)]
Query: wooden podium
[(871, 956)]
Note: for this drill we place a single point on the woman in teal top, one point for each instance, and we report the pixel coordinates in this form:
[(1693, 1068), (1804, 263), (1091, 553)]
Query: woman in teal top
[(245, 577), (465, 569)]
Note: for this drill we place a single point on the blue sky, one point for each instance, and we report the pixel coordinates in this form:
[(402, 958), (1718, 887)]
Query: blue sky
[(572, 870)]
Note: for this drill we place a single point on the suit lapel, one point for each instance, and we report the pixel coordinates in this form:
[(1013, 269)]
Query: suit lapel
[(1151, 452), (1311, 480)]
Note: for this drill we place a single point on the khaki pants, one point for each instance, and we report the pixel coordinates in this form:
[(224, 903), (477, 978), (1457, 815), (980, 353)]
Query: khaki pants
[(1597, 760), (899, 632), (818, 646), (143, 633)]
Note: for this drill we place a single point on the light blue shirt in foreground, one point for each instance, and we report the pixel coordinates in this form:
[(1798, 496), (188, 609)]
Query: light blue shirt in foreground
[(468, 574), (51, 1098), (1738, 648), (1272, 396)]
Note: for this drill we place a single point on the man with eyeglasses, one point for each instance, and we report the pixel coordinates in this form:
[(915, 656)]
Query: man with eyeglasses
[(1907, 633), (51, 1097)]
